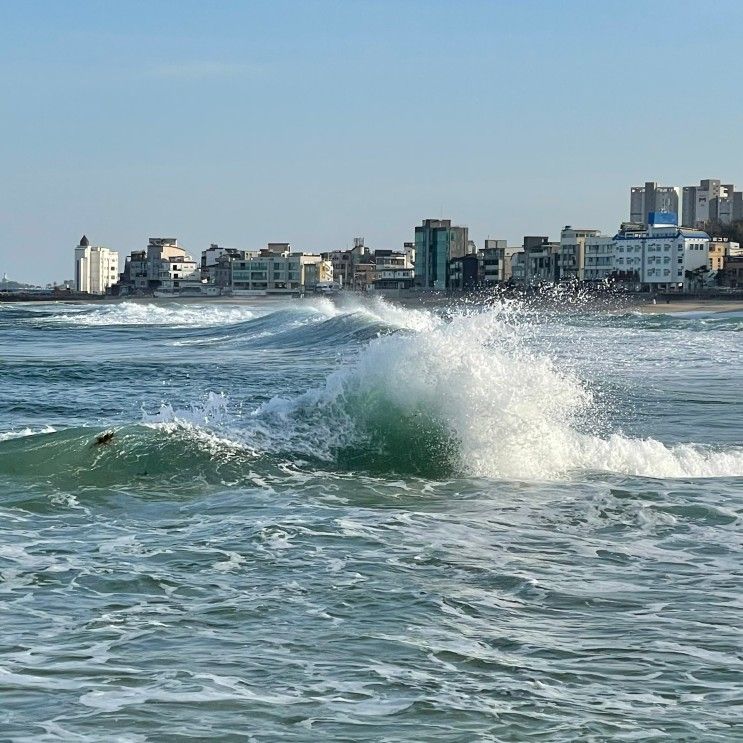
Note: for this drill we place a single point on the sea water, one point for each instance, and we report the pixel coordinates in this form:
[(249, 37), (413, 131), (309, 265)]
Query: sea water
[(362, 522)]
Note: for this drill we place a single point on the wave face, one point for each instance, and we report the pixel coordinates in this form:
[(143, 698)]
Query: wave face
[(355, 520), (476, 392)]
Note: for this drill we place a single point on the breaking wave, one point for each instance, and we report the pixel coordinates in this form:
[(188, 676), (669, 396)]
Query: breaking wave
[(467, 397), (419, 392)]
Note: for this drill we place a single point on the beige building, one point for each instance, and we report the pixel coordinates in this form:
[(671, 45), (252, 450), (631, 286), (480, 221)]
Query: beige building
[(571, 262)]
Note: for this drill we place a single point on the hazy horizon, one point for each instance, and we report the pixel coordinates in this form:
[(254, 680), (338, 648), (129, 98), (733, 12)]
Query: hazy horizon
[(313, 123)]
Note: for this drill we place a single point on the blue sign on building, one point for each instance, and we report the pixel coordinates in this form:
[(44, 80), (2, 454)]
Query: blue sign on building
[(656, 219)]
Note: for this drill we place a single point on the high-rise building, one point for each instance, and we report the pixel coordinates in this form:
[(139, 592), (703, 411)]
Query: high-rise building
[(711, 201), (96, 267), (653, 198), (437, 241)]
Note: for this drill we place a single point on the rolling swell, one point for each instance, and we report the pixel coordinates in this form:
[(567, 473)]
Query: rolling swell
[(138, 456), (456, 394)]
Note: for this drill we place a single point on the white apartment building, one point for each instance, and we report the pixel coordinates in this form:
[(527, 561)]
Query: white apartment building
[(96, 267), (662, 257)]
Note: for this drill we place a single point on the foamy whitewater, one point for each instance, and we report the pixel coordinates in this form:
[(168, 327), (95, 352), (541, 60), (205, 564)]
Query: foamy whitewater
[(353, 520)]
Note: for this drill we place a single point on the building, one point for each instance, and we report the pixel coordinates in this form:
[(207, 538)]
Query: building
[(392, 270), (272, 270), (598, 258), (344, 263), (653, 198), (169, 267), (571, 260), (96, 267), (518, 267), (210, 261), (464, 272), (163, 267), (437, 241), (491, 261), (732, 274), (711, 201), (541, 260), (662, 257)]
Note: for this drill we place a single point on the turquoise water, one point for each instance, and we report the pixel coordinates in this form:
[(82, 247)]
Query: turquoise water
[(365, 523)]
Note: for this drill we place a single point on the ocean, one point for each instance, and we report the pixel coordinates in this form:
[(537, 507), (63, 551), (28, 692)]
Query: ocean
[(355, 521)]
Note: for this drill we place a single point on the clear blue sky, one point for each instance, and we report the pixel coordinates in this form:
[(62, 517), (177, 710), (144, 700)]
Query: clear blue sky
[(313, 122)]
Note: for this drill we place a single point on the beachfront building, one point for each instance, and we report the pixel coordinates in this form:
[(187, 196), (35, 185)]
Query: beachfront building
[(662, 257), (274, 269), (464, 272), (572, 254), (518, 267), (344, 263), (653, 198), (96, 267), (598, 260), (163, 267), (393, 270), (540, 260), (210, 261), (496, 262), (437, 241), (170, 269)]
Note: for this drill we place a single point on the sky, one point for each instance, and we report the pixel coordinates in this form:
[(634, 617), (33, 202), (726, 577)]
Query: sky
[(313, 122)]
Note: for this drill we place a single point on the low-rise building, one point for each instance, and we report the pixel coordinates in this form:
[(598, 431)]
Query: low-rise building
[(164, 267), (732, 274), (540, 260), (344, 263), (392, 270), (96, 267), (572, 254), (210, 261), (495, 262), (272, 270), (663, 257), (518, 267), (464, 272)]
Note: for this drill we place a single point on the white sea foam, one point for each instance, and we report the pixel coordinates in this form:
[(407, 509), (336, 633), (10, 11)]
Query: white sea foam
[(23, 432), (511, 412), (174, 315)]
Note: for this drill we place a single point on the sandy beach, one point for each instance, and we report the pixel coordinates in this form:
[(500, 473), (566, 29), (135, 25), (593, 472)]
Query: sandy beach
[(690, 305)]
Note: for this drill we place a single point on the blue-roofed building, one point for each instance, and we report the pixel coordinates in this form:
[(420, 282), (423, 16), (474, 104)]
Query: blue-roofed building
[(663, 256)]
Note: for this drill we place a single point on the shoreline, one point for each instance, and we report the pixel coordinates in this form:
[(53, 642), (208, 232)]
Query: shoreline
[(622, 303)]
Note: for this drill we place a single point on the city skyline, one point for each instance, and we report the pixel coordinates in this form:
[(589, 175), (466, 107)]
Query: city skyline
[(508, 119)]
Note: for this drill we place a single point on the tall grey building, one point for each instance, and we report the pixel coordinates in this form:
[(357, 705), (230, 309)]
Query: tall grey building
[(437, 241), (711, 201), (653, 198)]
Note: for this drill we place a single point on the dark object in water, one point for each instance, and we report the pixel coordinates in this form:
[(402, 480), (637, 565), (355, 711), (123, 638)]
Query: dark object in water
[(103, 439)]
